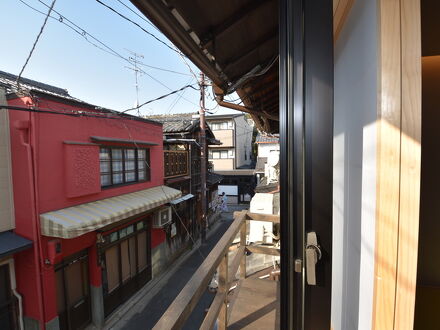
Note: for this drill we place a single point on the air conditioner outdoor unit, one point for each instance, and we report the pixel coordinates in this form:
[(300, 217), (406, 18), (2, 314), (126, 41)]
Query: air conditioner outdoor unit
[(162, 217)]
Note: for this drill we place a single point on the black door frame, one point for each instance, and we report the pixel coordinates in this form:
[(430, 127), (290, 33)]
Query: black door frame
[(306, 142)]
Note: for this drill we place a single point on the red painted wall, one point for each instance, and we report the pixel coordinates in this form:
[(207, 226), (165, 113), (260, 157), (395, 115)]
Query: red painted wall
[(42, 168)]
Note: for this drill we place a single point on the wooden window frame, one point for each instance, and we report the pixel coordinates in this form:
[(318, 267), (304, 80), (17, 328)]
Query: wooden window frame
[(124, 171)]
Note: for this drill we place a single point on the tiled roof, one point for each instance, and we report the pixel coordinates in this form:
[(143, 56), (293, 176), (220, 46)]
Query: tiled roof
[(8, 81), (267, 138), (177, 123), (213, 178)]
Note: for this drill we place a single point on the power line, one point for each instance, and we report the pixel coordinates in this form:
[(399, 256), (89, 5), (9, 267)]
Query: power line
[(83, 33), (160, 97), (137, 14), (139, 26), (35, 44)]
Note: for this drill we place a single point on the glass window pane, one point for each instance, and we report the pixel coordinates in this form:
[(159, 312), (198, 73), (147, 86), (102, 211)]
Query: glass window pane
[(224, 154), (141, 164), (129, 153), (140, 225), (116, 153), (141, 153), (225, 125), (117, 165), (117, 178), (130, 229), (112, 267), (141, 175), (113, 237), (130, 177), (104, 154), (129, 165), (104, 166), (105, 180), (123, 232)]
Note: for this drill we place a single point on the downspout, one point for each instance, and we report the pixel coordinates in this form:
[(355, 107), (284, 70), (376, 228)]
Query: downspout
[(13, 283), (40, 263)]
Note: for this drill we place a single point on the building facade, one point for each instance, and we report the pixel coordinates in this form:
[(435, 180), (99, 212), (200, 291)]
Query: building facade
[(12, 245), (89, 193), (182, 155), (235, 135), (267, 146)]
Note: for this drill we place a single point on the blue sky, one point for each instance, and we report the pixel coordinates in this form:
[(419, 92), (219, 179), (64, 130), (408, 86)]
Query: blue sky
[(65, 59)]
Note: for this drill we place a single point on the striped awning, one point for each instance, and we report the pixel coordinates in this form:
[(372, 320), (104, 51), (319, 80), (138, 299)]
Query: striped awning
[(78, 220)]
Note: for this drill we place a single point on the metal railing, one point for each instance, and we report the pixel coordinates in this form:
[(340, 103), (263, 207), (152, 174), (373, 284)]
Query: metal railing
[(180, 309)]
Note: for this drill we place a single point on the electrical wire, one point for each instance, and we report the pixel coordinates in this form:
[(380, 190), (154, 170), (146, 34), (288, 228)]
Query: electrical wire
[(139, 26), (35, 43), (159, 98), (83, 33), (168, 197), (178, 97), (138, 15)]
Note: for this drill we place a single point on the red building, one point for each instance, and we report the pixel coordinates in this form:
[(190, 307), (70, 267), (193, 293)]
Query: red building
[(88, 185)]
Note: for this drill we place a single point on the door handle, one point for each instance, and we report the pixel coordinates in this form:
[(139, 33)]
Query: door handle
[(313, 254)]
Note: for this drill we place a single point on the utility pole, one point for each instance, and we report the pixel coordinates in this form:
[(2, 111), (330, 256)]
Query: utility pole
[(203, 148), (134, 60)]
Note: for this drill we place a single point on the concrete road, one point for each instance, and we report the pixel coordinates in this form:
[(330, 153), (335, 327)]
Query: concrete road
[(152, 312)]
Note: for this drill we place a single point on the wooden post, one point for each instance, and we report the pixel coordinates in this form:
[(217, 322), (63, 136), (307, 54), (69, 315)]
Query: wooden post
[(223, 287), (243, 232)]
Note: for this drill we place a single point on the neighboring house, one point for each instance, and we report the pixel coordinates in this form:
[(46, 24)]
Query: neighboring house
[(89, 192), (181, 134), (235, 135), (266, 144), (13, 243), (233, 158)]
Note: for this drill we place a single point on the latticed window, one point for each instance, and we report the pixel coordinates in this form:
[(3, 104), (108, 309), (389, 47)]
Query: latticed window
[(124, 165), (176, 163)]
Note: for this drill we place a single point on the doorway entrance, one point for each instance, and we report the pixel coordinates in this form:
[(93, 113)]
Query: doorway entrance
[(73, 292), (126, 254)]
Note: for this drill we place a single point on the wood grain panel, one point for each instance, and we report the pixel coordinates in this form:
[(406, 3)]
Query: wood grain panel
[(410, 163), (388, 163)]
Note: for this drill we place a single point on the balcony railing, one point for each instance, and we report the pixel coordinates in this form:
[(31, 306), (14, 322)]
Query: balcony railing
[(175, 163), (225, 307)]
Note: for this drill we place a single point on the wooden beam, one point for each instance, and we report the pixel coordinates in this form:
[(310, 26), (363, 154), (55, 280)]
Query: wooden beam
[(214, 310), (180, 309), (241, 13), (249, 49), (410, 163), (243, 243), (263, 250), (388, 163), (223, 289), (263, 217), (233, 267)]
